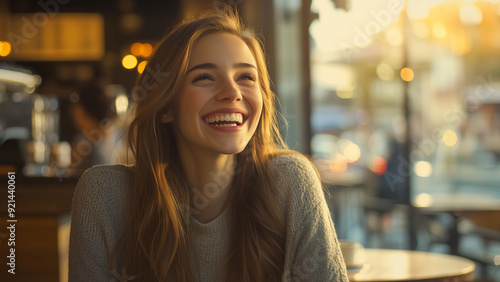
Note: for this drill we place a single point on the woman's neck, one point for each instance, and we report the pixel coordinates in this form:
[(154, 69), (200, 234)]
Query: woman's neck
[(210, 178)]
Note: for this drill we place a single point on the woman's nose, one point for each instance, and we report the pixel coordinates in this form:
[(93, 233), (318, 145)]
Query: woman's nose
[(229, 92)]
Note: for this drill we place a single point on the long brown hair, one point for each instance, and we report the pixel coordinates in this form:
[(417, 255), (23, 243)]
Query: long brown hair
[(156, 242)]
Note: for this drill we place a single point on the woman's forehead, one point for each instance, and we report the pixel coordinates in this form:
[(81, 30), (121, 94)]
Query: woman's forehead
[(221, 48)]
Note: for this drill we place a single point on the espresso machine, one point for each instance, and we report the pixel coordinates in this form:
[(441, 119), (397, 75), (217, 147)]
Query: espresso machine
[(29, 126)]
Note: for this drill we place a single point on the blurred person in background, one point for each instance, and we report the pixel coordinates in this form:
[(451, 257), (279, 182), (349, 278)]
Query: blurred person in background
[(97, 140)]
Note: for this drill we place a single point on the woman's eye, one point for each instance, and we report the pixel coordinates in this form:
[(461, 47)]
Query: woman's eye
[(247, 76), (203, 76)]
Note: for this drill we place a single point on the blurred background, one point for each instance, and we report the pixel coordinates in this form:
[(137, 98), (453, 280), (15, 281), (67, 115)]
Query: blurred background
[(396, 102)]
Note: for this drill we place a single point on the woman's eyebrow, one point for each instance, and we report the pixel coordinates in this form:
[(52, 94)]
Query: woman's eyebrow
[(214, 66), (244, 65)]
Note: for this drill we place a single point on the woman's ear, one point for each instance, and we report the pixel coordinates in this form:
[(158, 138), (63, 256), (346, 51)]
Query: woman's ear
[(167, 117)]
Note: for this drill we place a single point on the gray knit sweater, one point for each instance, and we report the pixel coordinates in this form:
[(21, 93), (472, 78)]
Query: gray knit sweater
[(312, 248)]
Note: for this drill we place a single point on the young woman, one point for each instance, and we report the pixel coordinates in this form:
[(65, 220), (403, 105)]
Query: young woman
[(213, 194)]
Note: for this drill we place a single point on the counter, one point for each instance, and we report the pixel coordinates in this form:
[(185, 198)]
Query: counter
[(41, 228)]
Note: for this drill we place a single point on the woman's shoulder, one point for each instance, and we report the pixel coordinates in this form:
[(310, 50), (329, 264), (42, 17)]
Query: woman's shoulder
[(104, 183), (106, 175), (290, 158), (295, 165), (298, 177), (115, 170)]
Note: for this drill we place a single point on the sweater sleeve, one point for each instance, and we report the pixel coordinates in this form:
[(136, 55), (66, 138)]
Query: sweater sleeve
[(97, 223), (313, 250)]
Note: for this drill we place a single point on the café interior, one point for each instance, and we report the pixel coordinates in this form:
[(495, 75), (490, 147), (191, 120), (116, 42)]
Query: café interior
[(396, 102)]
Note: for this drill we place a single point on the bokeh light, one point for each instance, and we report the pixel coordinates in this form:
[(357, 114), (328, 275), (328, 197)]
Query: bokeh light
[(378, 165), (407, 74), (141, 49), (121, 104), (129, 61), (423, 200), (136, 49), (5, 48), (450, 137), (338, 164), (349, 150), (439, 30), (141, 66), (423, 168), (146, 50), (470, 15)]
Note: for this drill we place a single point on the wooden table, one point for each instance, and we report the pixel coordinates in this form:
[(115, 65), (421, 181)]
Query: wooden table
[(457, 205), (403, 265)]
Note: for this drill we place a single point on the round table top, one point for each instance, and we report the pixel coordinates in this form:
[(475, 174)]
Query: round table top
[(456, 202), (403, 265)]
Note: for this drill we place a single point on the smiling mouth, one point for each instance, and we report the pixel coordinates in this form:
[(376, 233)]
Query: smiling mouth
[(225, 119)]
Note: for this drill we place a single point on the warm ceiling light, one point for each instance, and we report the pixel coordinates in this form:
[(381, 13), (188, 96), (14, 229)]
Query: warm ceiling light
[(407, 74), (147, 49), (129, 61), (141, 66), (136, 49), (5, 48)]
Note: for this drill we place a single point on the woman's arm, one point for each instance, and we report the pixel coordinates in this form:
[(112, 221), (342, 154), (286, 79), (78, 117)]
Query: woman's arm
[(313, 251), (317, 253), (97, 223)]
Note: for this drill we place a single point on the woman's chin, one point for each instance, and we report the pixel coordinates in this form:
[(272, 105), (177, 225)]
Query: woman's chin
[(231, 149), (234, 151)]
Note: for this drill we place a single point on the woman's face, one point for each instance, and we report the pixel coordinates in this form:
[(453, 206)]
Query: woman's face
[(220, 102)]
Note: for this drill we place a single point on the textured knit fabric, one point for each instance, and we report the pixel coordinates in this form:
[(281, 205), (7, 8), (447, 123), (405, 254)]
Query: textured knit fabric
[(312, 248)]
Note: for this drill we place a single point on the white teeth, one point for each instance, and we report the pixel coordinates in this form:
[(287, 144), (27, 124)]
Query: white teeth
[(237, 117)]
